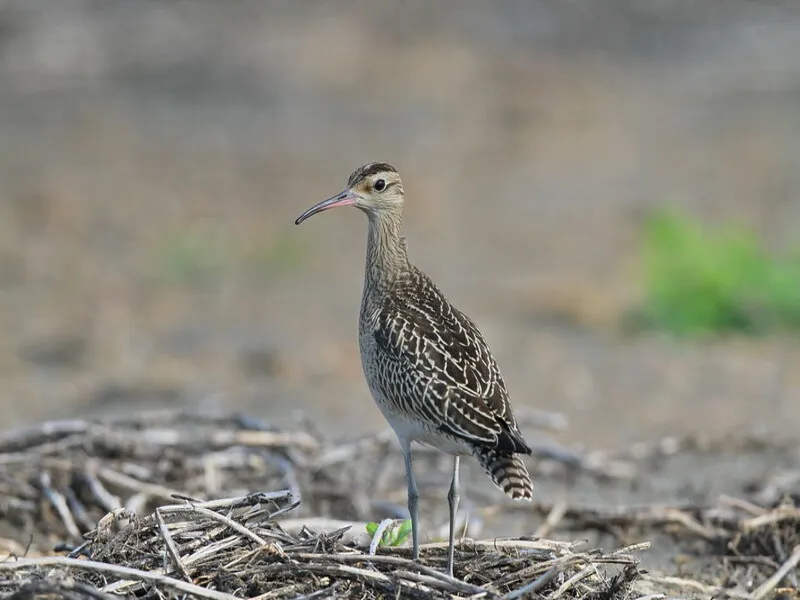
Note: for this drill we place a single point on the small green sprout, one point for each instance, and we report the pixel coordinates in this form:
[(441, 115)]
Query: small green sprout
[(394, 535)]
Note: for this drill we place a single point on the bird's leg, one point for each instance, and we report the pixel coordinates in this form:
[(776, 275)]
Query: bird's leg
[(413, 499), (452, 499)]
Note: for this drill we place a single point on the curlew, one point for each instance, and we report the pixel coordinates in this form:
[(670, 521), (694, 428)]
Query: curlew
[(426, 364)]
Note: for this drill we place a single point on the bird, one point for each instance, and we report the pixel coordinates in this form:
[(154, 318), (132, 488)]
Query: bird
[(427, 366)]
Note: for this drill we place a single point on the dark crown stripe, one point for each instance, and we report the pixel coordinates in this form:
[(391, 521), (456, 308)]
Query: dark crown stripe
[(361, 173)]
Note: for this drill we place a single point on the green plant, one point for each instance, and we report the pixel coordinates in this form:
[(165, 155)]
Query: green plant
[(701, 279), (193, 257), (279, 254), (394, 535)]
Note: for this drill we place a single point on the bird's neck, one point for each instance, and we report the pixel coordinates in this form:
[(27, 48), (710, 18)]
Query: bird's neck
[(386, 251)]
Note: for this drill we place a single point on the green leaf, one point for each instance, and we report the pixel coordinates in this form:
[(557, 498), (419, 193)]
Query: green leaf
[(699, 279)]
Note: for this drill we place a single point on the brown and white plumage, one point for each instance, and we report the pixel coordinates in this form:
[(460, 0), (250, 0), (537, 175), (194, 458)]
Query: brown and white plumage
[(432, 370), (427, 365)]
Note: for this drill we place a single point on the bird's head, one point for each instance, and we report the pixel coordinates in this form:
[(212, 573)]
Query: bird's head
[(375, 188)]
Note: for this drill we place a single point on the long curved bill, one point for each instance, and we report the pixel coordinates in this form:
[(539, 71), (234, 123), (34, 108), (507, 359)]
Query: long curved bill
[(346, 198)]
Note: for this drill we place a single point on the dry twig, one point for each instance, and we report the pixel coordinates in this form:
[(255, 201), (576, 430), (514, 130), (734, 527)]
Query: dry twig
[(151, 483)]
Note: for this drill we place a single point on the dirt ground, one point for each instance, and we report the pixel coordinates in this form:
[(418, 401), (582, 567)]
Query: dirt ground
[(154, 155)]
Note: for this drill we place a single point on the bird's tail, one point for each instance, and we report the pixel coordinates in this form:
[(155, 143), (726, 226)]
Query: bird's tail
[(508, 472)]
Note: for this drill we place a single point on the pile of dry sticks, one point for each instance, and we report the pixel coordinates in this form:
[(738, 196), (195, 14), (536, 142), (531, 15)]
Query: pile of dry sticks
[(160, 506)]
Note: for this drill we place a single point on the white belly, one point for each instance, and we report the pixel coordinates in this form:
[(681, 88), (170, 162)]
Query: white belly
[(409, 429)]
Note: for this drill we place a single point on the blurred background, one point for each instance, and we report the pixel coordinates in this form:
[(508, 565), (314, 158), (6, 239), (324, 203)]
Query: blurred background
[(610, 189)]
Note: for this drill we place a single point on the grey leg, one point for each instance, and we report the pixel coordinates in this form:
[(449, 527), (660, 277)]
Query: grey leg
[(452, 499), (413, 498)]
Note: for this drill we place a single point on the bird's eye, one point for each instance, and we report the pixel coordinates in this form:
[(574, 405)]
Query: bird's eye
[(379, 185)]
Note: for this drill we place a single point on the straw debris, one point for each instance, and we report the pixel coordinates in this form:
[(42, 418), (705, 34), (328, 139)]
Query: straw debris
[(235, 548), (160, 506)]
